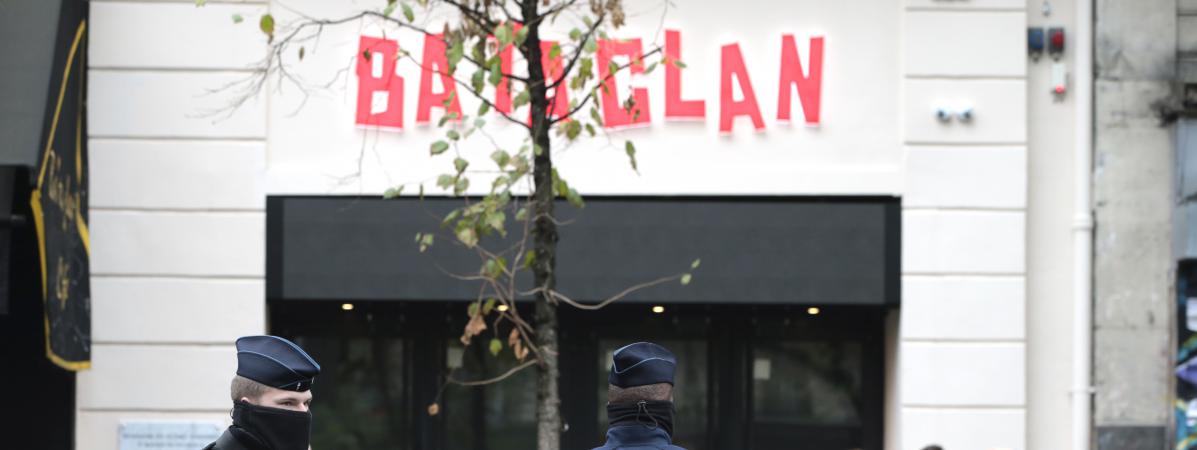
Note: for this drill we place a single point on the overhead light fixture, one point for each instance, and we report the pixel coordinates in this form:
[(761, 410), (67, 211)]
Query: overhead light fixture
[(502, 308), (812, 311), (347, 306), (658, 309)]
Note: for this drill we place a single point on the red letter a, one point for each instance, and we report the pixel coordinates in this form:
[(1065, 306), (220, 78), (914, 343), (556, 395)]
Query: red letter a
[(732, 63), (436, 62)]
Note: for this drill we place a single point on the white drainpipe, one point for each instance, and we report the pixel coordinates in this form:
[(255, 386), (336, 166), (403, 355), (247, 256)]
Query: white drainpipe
[(1082, 233)]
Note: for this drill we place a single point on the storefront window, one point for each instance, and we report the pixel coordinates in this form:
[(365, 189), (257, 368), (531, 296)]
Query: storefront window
[(498, 416), (807, 388), (689, 394), (357, 400), (807, 382), (811, 384)]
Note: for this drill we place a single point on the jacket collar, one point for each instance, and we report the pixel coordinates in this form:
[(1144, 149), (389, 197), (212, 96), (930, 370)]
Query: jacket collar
[(637, 435)]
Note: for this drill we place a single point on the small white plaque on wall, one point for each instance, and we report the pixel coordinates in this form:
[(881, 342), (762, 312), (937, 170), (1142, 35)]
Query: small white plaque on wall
[(168, 435)]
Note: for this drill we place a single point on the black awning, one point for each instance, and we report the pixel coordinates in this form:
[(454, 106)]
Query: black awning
[(29, 30), (753, 250)]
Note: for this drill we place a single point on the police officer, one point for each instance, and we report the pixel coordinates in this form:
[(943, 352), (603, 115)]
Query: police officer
[(271, 396), (640, 398)]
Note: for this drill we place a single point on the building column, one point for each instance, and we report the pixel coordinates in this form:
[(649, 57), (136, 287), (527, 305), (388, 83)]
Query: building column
[(177, 213), (1133, 270), (962, 332)]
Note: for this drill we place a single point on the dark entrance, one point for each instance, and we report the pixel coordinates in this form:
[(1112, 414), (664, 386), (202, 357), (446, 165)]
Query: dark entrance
[(779, 335), (41, 396), (748, 377)]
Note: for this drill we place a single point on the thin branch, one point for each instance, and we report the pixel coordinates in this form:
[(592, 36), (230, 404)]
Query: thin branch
[(273, 63), (577, 54), (600, 305), (510, 16), (477, 94), (483, 21), (497, 379), (552, 12), (609, 76), (520, 253)]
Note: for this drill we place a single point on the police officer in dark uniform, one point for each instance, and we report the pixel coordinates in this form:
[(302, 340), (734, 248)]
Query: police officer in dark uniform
[(640, 398), (271, 396)]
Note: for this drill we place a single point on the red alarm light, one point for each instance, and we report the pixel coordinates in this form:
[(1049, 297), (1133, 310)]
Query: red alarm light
[(1055, 42)]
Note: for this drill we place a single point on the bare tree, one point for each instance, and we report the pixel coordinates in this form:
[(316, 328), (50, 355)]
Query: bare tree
[(477, 39)]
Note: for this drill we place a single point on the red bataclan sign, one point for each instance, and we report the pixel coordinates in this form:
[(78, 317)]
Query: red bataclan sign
[(380, 88)]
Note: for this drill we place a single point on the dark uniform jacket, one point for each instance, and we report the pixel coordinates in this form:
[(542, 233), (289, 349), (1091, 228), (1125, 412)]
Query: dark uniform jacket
[(637, 437), (229, 441)]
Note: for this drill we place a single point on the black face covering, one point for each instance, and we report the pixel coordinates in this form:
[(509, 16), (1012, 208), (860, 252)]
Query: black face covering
[(654, 414), (272, 428)]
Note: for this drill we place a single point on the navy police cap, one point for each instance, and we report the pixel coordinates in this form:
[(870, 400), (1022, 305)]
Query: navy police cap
[(641, 364), (276, 362)]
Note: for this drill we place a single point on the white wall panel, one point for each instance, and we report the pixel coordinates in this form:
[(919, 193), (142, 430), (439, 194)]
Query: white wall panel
[(175, 35), (157, 377), (170, 104), (207, 244), (963, 374), (961, 308), (160, 310), (964, 429), (963, 242), (177, 175), (979, 177), (966, 44)]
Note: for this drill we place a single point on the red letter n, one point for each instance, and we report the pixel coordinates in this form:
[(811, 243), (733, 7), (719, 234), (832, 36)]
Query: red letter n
[(809, 85)]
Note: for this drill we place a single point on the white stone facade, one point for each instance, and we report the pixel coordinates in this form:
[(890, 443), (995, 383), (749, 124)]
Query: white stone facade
[(980, 343)]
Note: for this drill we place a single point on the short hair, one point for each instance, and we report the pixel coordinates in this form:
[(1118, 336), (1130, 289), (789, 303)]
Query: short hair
[(652, 392), (246, 388)]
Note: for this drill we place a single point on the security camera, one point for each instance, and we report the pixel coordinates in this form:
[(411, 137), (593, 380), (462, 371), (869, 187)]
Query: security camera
[(943, 114), (965, 114)]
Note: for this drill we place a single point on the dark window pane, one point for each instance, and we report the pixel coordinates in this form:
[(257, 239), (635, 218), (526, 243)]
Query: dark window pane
[(689, 389), (810, 391), (498, 416), (357, 400), (807, 382)]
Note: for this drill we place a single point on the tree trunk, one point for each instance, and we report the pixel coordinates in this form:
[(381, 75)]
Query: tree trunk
[(544, 241)]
